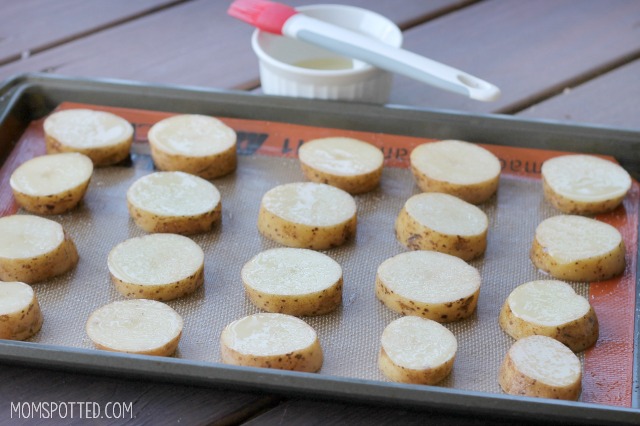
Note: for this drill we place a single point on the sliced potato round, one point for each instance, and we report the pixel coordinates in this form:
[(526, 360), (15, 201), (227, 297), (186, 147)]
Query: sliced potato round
[(52, 184), (349, 164), (444, 223), (20, 315), (459, 168), (102, 136), (307, 215), (157, 266), (577, 248), (293, 281), (174, 202), (271, 340), (417, 350), (584, 184), (196, 144), (553, 309), (429, 284), (140, 326), (540, 366), (34, 249)]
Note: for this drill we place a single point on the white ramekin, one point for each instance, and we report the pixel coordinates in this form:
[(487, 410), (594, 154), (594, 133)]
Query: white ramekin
[(362, 82)]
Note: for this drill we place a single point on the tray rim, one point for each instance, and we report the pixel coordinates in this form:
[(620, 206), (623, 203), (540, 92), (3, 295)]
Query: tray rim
[(13, 91)]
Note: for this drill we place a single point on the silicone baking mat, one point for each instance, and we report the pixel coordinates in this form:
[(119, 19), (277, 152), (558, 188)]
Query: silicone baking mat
[(350, 336)]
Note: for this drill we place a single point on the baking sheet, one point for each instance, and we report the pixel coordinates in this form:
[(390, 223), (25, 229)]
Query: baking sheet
[(349, 336)]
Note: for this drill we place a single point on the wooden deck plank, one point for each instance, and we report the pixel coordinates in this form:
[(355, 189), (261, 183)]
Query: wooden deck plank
[(296, 412), (29, 26), (195, 43), (612, 99), (152, 403), (528, 49)]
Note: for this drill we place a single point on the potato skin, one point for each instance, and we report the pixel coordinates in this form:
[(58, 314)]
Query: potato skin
[(568, 206), (22, 325), (514, 382), (440, 312), (578, 335), (357, 184), (474, 194), (594, 269), (161, 292), (101, 156), (52, 204), (39, 268), (183, 225), (164, 350), (398, 373), (206, 167), (416, 236), (299, 235), (312, 304), (308, 360)]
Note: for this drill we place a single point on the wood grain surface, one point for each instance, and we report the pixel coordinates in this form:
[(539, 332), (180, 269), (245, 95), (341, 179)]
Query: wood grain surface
[(30, 26), (531, 50), (611, 99), (194, 43), (153, 403)]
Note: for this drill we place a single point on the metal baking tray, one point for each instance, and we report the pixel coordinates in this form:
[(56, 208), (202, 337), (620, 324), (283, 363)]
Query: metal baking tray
[(32, 96)]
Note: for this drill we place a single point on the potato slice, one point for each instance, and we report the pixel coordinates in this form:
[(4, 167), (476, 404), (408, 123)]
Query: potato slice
[(429, 284), (196, 144), (20, 315), (270, 340), (102, 136), (444, 223), (459, 168), (417, 350), (293, 281), (141, 326), (346, 163), (577, 248), (52, 184), (174, 202), (540, 366), (307, 215), (553, 309), (157, 266), (34, 249), (584, 184)]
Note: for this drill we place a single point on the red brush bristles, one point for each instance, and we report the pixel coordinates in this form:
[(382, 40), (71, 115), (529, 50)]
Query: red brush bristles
[(265, 15)]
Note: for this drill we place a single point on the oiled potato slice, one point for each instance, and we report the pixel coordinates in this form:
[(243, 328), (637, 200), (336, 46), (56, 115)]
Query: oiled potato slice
[(157, 266), (349, 164), (293, 281), (140, 326), (577, 248), (102, 136), (271, 340), (34, 249), (20, 315), (307, 215), (429, 284), (444, 223), (196, 144), (417, 350), (550, 308), (174, 202), (540, 366), (52, 184), (584, 184), (459, 168)]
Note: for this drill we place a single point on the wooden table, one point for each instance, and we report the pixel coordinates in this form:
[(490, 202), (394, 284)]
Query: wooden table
[(568, 60)]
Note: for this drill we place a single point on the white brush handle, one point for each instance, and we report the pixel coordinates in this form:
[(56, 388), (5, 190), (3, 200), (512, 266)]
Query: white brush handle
[(374, 52)]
